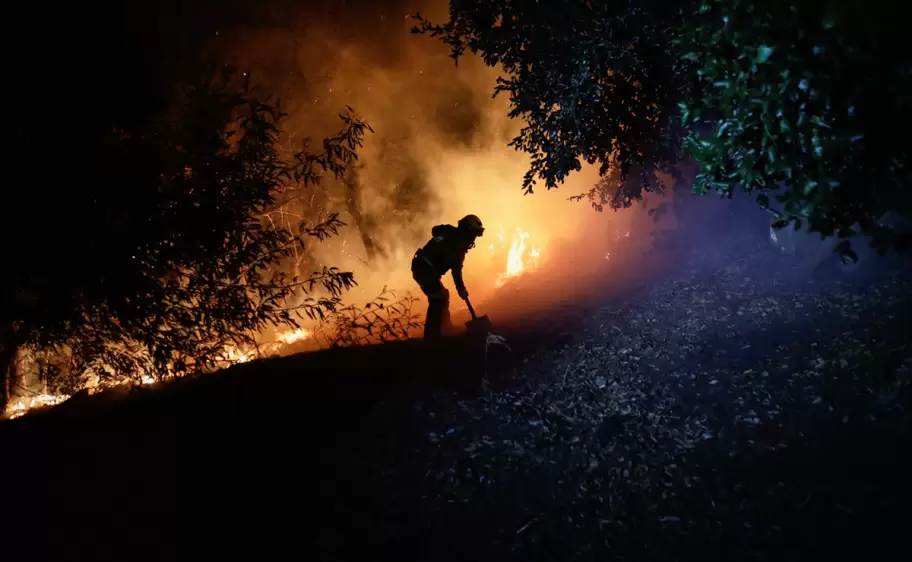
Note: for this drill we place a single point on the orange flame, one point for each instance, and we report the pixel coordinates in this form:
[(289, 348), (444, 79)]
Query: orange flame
[(518, 260), (23, 405), (231, 355), (289, 338)]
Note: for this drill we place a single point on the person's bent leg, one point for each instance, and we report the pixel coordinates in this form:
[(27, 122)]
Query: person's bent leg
[(437, 306), (446, 322), (432, 323)]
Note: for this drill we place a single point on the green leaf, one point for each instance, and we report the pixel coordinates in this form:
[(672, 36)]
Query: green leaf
[(763, 54), (685, 113)]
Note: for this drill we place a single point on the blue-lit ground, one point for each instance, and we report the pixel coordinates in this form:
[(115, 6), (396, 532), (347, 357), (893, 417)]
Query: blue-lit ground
[(729, 411)]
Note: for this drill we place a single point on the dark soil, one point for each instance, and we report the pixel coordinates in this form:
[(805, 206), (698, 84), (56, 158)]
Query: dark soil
[(728, 412)]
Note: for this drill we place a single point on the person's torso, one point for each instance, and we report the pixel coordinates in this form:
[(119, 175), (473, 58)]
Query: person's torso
[(445, 250)]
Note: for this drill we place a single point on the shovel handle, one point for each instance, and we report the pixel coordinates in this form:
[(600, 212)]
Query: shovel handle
[(471, 310)]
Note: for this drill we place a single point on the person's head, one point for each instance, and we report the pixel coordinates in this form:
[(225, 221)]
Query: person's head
[(471, 226)]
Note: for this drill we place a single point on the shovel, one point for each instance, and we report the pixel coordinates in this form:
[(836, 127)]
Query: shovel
[(478, 325)]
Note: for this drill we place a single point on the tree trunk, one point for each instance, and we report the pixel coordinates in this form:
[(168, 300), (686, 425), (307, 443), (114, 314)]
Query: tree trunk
[(351, 201), (7, 353)]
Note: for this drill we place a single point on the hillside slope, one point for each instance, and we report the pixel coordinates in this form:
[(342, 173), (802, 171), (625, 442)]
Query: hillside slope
[(728, 412)]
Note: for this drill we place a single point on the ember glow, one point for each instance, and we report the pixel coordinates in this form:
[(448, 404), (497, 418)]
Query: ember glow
[(232, 355), (23, 405), (235, 355)]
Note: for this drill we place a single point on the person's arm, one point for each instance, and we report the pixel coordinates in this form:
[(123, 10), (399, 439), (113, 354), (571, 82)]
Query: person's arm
[(457, 279)]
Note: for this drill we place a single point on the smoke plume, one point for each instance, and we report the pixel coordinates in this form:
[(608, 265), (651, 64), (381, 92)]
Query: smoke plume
[(439, 151)]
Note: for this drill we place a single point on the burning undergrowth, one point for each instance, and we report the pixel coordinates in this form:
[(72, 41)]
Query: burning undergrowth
[(46, 377)]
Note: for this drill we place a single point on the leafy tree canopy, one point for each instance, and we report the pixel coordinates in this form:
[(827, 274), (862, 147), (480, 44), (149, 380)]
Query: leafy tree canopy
[(591, 79), (144, 249), (803, 103)]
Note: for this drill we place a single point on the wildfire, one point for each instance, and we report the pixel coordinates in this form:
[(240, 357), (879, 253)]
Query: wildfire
[(521, 257), (518, 259), (231, 356), (234, 355), (22, 406), (289, 338)]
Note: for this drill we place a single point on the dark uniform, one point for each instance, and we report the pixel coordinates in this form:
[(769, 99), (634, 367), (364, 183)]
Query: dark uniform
[(446, 251)]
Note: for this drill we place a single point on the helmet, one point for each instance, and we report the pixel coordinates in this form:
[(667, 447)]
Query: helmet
[(472, 225)]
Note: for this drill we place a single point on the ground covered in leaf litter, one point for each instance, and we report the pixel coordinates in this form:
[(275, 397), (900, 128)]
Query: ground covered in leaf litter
[(729, 412)]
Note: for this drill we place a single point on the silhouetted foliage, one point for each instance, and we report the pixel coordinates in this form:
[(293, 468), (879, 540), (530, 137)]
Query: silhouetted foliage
[(384, 319), (797, 101), (164, 256), (807, 96)]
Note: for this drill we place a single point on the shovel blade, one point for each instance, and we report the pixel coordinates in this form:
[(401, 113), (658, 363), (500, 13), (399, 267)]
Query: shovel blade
[(480, 325)]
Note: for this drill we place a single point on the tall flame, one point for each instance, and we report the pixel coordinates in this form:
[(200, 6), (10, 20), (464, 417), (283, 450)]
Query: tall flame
[(518, 261)]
